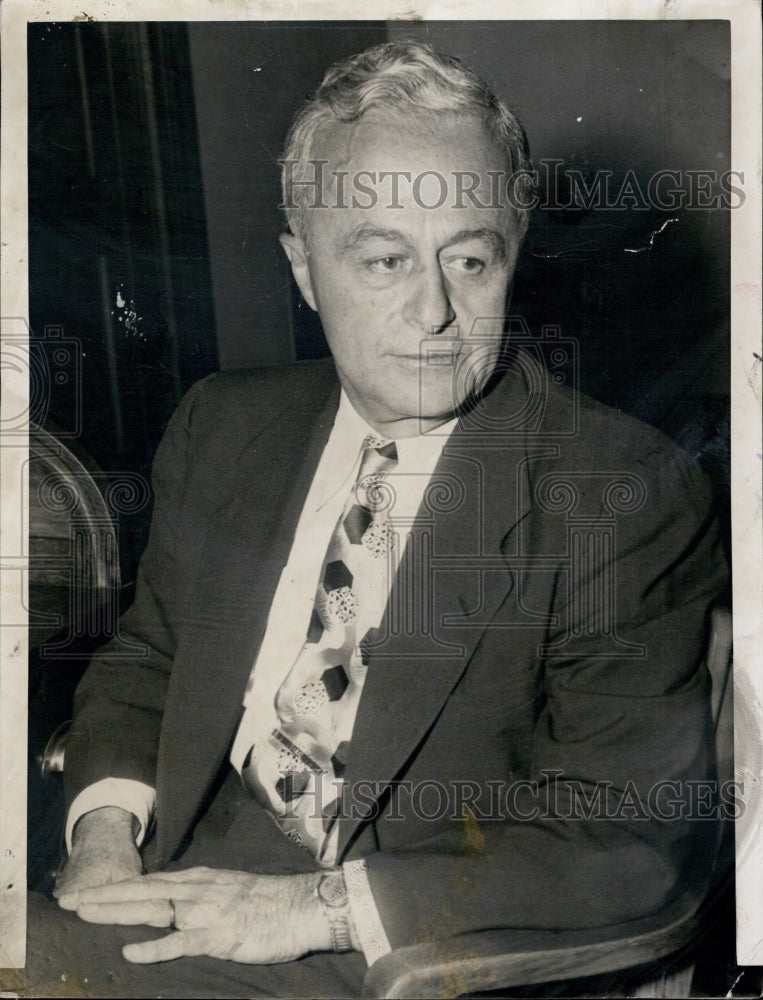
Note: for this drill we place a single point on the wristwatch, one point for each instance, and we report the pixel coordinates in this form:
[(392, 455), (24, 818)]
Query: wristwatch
[(332, 893)]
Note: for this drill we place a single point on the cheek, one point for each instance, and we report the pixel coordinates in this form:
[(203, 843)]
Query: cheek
[(344, 299), (372, 315), (481, 310)]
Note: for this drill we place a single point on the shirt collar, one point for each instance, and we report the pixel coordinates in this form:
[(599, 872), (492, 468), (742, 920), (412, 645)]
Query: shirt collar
[(415, 454)]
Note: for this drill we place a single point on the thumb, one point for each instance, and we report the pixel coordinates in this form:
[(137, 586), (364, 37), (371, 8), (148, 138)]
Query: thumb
[(165, 949)]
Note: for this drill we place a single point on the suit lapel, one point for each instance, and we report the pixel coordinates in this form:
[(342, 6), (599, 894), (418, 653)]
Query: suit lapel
[(247, 545), (451, 582)]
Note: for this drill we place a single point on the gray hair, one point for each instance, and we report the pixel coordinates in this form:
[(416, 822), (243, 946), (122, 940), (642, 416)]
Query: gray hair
[(409, 77)]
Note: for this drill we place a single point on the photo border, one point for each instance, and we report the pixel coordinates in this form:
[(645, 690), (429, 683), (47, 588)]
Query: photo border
[(746, 382)]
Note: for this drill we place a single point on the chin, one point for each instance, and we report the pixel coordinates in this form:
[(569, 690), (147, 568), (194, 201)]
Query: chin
[(441, 401)]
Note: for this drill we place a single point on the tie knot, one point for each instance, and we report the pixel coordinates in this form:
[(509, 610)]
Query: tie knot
[(384, 446), (379, 458)]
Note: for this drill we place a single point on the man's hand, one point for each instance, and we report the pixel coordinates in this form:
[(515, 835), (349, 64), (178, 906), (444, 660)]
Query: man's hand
[(103, 851), (257, 919)]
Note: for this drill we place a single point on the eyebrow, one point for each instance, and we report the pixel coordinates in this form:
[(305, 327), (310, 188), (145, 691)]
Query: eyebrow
[(493, 238), (366, 233)]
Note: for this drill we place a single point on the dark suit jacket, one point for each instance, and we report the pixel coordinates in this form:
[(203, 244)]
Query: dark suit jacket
[(541, 665)]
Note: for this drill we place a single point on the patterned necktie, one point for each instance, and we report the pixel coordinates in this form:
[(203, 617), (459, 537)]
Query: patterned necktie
[(297, 772)]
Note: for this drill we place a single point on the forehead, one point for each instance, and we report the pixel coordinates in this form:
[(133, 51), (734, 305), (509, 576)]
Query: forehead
[(420, 139), (428, 171)]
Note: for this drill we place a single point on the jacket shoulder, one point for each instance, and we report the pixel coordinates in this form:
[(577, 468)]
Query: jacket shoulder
[(607, 440), (602, 430), (255, 392), (221, 418)]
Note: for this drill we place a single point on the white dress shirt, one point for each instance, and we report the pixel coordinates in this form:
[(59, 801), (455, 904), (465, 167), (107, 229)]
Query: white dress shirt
[(288, 621)]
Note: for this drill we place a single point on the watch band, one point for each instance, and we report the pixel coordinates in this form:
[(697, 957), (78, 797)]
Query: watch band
[(332, 893)]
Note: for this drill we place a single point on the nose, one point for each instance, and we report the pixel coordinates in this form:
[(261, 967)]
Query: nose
[(429, 307)]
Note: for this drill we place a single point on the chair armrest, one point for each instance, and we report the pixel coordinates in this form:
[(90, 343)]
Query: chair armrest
[(52, 758), (486, 960)]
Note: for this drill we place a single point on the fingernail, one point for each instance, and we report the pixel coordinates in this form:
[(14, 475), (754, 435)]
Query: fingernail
[(68, 901)]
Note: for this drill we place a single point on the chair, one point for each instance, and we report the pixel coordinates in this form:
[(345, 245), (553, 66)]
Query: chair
[(74, 575), (73, 551), (500, 959)]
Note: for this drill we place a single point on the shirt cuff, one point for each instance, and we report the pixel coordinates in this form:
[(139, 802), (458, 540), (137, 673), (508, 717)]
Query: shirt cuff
[(373, 937), (133, 796)]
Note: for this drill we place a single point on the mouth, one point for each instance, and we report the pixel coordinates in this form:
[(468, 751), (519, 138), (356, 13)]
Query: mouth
[(407, 360), (430, 358)]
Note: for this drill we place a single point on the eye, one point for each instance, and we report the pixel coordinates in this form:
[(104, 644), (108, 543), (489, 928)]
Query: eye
[(467, 265), (386, 265)]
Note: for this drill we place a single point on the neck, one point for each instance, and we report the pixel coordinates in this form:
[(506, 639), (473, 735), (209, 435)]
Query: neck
[(402, 427)]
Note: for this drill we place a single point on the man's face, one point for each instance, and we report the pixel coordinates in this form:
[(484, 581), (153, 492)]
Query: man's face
[(411, 297)]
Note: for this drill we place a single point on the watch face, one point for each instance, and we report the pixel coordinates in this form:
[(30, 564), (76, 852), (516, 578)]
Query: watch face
[(332, 890)]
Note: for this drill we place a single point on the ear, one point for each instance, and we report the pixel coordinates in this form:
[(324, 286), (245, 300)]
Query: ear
[(297, 254)]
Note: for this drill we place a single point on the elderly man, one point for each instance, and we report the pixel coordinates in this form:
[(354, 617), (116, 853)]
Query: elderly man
[(378, 686)]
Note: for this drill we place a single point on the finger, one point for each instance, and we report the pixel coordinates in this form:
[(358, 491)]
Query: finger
[(74, 880), (165, 949), (67, 892), (68, 900), (158, 886), (191, 875), (151, 912), (130, 890), (69, 883)]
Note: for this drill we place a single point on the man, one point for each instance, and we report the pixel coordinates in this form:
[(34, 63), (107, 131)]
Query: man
[(351, 709)]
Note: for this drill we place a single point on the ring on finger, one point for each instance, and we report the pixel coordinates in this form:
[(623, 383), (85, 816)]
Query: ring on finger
[(172, 923)]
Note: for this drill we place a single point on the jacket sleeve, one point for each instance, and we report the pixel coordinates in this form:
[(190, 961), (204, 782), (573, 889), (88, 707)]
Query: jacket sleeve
[(119, 702), (617, 811)]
